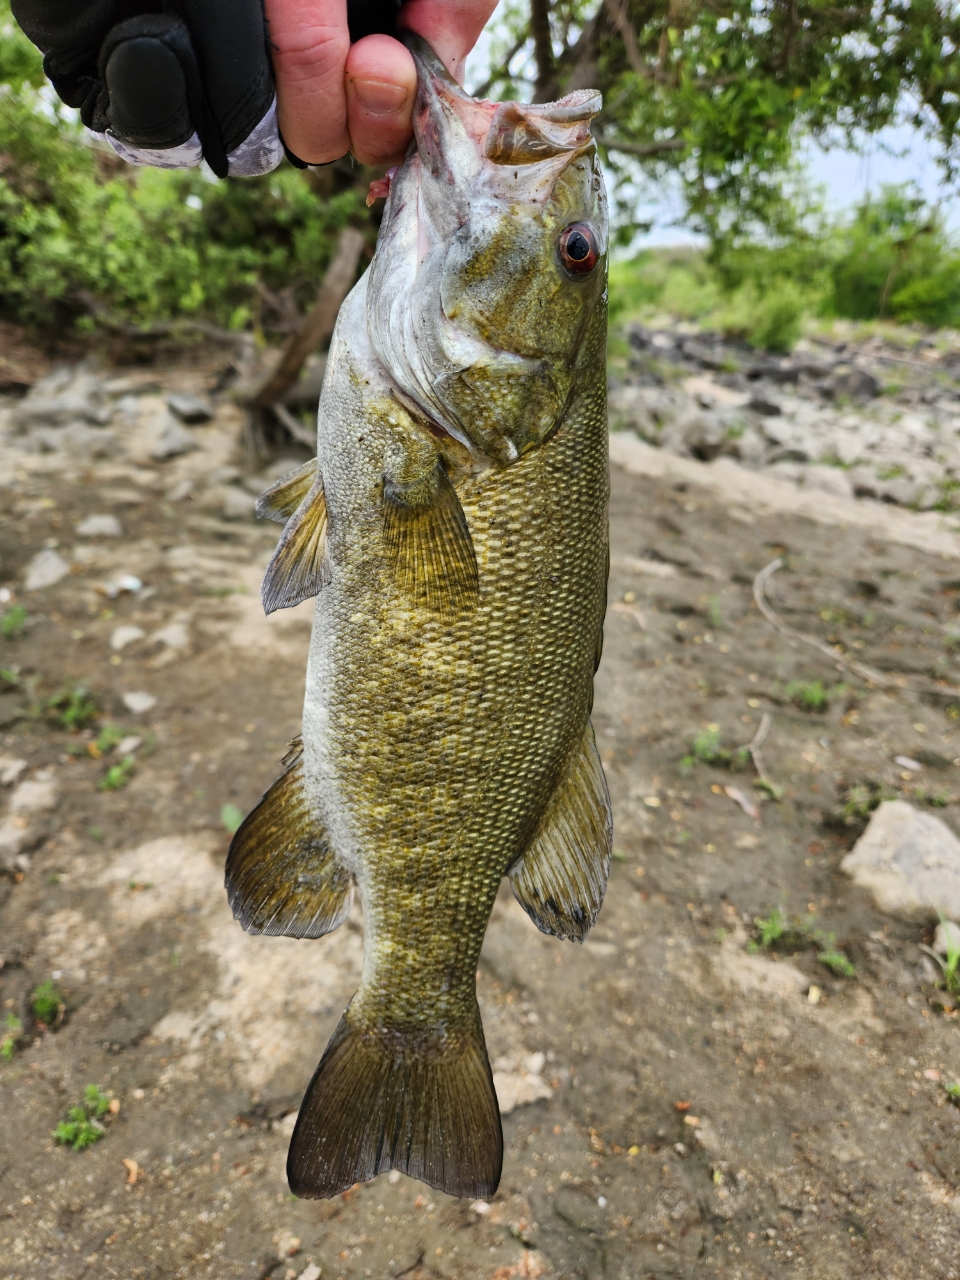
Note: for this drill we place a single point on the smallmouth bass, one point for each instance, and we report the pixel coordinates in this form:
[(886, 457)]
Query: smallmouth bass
[(454, 531)]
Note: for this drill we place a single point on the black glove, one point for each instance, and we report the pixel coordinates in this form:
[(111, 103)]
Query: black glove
[(171, 82)]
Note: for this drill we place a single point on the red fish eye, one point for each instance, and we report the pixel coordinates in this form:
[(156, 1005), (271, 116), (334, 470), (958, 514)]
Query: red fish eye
[(578, 249)]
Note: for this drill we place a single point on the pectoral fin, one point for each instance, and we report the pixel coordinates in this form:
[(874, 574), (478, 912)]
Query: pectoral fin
[(428, 543), (295, 572), (281, 500), (282, 876), (561, 879)]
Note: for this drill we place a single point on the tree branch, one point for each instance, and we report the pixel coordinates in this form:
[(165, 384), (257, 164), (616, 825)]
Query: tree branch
[(645, 148), (317, 325), (542, 50)]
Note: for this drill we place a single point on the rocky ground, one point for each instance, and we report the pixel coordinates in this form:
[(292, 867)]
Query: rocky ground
[(875, 417), (690, 1094)]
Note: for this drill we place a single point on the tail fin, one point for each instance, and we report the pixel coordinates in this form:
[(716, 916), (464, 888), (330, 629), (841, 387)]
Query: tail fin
[(388, 1101)]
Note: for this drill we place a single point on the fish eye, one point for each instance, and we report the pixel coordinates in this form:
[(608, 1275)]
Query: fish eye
[(578, 249)]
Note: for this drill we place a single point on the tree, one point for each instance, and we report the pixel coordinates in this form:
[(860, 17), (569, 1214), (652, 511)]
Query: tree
[(716, 92)]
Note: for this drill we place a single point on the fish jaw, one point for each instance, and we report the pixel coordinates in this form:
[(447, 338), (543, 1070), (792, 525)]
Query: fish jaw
[(470, 311)]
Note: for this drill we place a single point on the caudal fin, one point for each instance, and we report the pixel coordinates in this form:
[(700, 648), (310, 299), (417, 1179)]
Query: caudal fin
[(389, 1101)]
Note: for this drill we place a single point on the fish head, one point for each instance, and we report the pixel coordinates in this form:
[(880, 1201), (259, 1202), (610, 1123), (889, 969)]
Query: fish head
[(492, 259)]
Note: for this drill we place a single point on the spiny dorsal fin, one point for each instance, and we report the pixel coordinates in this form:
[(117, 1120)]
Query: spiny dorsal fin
[(561, 879), (428, 543), (281, 500), (295, 572), (392, 1101), (282, 876)]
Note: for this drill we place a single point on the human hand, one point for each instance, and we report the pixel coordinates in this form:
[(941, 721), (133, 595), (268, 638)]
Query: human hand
[(335, 97), (167, 89)]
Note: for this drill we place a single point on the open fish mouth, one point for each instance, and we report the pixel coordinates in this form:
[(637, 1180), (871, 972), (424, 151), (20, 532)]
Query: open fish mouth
[(471, 161)]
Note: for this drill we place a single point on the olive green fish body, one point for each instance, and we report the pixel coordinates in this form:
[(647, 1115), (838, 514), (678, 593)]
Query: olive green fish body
[(432, 745), (454, 531)]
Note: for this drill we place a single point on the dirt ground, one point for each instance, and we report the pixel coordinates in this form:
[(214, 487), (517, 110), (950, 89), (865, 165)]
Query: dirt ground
[(684, 1106)]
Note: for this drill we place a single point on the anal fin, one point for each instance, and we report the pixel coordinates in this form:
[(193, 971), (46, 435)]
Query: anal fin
[(296, 572), (282, 876), (428, 543), (562, 877), (281, 500)]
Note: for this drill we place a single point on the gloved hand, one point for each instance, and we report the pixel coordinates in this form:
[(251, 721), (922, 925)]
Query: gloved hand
[(171, 82)]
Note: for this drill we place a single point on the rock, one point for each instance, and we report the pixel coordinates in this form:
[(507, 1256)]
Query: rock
[(910, 861), (57, 411), (630, 411), (10, 770), (171, 440), (138, 702), (765, 406), (855, 383), (122, 636), (88, 443), (705, 437), (864, 481), (126, 746), (45, 570), (238, 504), (191, 409), (828, 480), (174, 635), (105, 526), (34, 795), (519, 1083)]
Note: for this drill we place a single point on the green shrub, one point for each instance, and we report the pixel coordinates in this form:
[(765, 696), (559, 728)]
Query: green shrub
[(82, 233)]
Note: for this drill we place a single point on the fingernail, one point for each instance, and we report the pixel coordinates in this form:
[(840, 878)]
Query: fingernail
[(380, 97)]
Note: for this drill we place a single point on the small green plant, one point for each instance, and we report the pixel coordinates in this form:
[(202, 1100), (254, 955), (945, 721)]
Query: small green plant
[(778, 931), (82, 1127), (707, 748), (47, 1004), (950, 964), (13, 1030), (952, 1090), (860, 800), (74, 708), (10, 675), (808, 695), (714, 612), (231, 817), (118, 775), (108, 737), (837, 963), (12, 622), (772, 928)]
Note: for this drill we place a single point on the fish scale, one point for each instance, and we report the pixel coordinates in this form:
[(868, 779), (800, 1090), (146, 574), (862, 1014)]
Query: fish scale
[(446, 738)]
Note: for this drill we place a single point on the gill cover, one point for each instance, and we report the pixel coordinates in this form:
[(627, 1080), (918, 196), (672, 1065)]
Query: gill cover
[(470, 306)]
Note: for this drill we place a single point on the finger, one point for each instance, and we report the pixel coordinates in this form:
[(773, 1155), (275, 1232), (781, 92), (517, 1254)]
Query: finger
[(450, 27), (381, 87), (309, 45)]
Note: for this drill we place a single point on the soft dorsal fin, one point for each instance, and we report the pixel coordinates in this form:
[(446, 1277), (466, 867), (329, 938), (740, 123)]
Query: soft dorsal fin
[(428, 543), (282, 876), (295, 572), (281, 500), (561, 879)]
